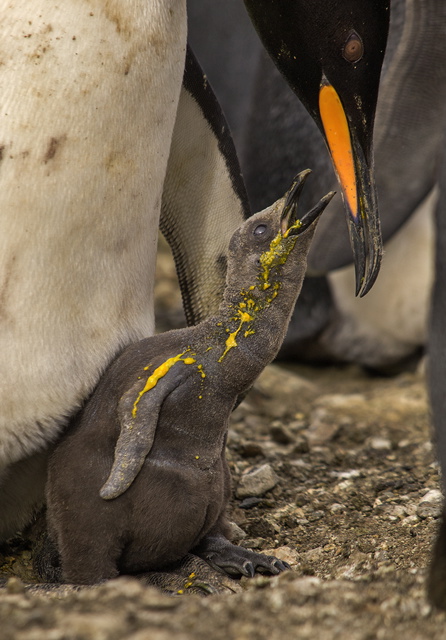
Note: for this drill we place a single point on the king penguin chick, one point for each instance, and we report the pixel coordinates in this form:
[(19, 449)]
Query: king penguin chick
[(139, 482)]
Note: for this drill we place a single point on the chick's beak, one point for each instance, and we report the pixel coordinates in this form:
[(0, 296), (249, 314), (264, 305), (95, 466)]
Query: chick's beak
[(289, 221)]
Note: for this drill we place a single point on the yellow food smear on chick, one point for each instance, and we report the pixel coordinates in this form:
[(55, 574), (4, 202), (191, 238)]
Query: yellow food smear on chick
[(159, 373)]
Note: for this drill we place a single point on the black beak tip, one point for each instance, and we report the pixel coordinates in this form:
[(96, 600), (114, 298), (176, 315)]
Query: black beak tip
[(314, 213), (367, 256), (374, 264), (293, 193)]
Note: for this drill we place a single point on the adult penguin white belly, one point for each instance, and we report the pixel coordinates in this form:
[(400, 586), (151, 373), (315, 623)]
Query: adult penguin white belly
[(89, 92)]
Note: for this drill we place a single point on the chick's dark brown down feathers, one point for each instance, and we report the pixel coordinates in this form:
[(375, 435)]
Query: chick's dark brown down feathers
[(139, 482)]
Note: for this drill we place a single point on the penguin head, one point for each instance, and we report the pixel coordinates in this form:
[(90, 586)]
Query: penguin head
[(331, 54), (271, 247)]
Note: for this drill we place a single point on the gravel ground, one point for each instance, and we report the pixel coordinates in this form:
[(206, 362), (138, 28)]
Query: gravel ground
[(334, 472)]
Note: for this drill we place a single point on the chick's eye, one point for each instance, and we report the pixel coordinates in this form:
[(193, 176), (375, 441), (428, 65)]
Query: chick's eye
[(353, 49), (260, 230)]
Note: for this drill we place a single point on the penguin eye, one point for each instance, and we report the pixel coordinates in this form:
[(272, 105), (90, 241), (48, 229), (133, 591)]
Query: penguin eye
[(353, 49), (260, 230)]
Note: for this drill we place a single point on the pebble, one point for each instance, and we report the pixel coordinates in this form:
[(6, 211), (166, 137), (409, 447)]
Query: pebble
[(379, 444), (336, 508), (281, 434), (322, 427), (316, 515), (15, 585), (301, 445), (251, 450), (236, 533), (249, 503), (430, 504), (285, 553), (256, 481)]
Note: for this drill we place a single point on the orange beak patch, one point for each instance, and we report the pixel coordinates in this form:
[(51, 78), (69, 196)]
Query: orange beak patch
[(338, 138)]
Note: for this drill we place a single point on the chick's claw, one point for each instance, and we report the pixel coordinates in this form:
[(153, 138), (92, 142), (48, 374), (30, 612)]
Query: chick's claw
[(224, 556)]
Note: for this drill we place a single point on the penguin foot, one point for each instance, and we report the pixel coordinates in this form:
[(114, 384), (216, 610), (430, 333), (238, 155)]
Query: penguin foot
[(224, 556), (191, 576)]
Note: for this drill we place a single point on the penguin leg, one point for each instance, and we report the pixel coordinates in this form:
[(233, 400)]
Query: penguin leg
[(224, 556), (436, 582), (436, 586)]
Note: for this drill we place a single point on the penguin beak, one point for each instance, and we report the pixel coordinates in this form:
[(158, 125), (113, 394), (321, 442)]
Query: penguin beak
[(355, 176), (290, 224)]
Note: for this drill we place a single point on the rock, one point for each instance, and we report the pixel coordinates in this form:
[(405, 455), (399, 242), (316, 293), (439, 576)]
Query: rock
[(379, 444), (285, 553), (277, 393), (342, 401), (337, 508), (252, 543), (430, 504), (254, 424), (322, 427), (410, 521), (256, 481), (15, 585), (381, 556), (251, 450), (157, 634), (315, 515), (281, 434), (236, 533), (249, 503), (301, 444), (314, 555)]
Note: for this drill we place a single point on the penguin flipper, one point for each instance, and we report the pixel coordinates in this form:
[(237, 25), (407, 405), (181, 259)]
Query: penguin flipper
[(204, 198), (138, 413)]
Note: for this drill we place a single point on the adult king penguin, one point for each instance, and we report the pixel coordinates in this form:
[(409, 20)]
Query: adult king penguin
[(97, 137)]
